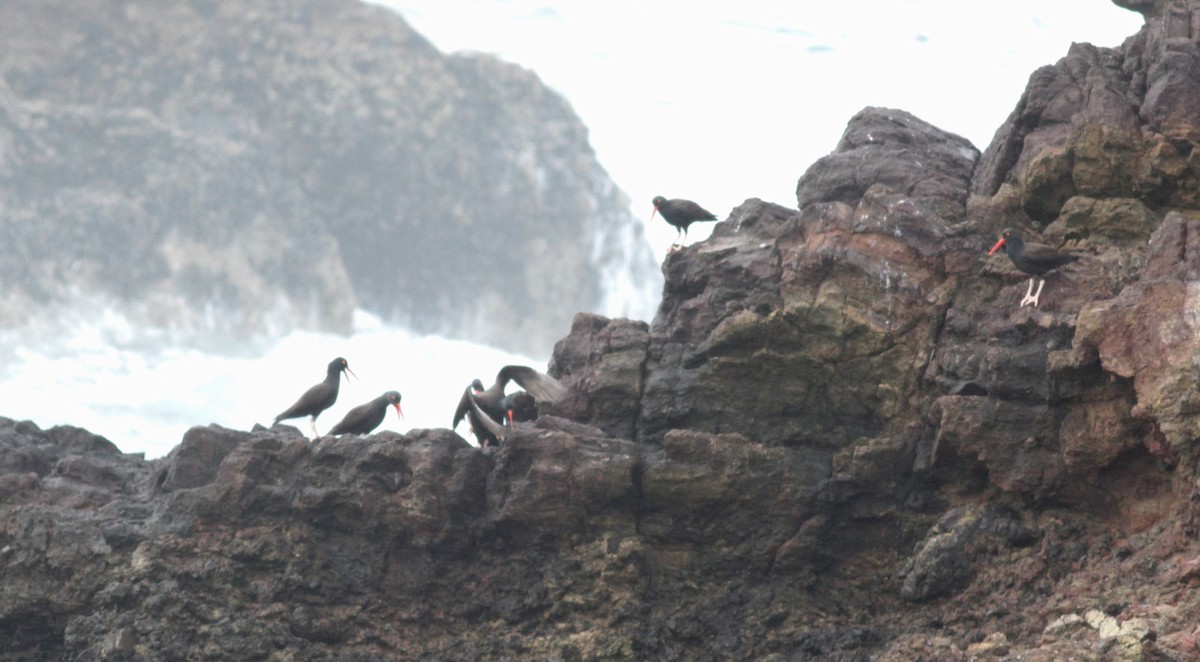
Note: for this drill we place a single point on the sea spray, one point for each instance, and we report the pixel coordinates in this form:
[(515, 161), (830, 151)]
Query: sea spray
[(143, 394)]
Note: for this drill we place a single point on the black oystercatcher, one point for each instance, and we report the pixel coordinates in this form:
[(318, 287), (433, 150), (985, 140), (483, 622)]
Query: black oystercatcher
[(680, 213), (521, 407), (488, 432), (492, 402), (366, 417), (320, 397), (1034, 259), (518, 407), (483, 430)]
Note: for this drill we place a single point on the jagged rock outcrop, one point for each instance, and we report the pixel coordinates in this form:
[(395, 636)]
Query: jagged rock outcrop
[(941, 387), (249, 168), (841, 438), (250, 544)]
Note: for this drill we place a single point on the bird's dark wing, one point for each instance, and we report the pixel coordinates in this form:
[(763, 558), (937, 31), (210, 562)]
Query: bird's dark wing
[(355, 420), (541, 386), (464, 406), (1047, 257), (496, 429), (313, 399), (692, 211)]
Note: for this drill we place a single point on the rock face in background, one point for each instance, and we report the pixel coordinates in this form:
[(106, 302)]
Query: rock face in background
[(840, 438), (253, 167)]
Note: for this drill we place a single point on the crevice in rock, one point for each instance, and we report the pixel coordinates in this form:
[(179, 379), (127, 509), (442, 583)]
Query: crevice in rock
[(637, 477), (643, 377), (33, 636)]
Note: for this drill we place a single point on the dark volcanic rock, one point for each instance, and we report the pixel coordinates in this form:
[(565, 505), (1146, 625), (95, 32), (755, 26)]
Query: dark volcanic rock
[(194, 462), (382, 546), (930, 167), (1148, 333), (251, 167), (943, 561), (605, 360), (811, 329), (870, 333), (1112, 123)]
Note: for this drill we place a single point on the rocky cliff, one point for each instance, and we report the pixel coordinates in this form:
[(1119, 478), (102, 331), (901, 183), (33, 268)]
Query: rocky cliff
[(840, 438), (238, 168)]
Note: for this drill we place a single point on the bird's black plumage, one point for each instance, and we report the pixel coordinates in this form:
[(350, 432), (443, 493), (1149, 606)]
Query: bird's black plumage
[(319, 397), (484, 430), (1037, 260), (521, 407), (1033, 259), (487, 430), (366, 417), (680, 213), (493, 404)]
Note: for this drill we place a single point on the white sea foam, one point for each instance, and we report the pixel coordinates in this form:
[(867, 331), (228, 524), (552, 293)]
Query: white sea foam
[(104, 376)]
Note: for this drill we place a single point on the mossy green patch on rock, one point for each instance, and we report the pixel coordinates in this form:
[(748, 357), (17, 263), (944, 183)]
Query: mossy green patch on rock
[(1106, 160), (1116, 220), (1046, 183)]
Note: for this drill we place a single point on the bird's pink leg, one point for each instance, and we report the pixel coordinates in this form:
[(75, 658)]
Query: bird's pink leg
[(1033, 298), (1028, 294)]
